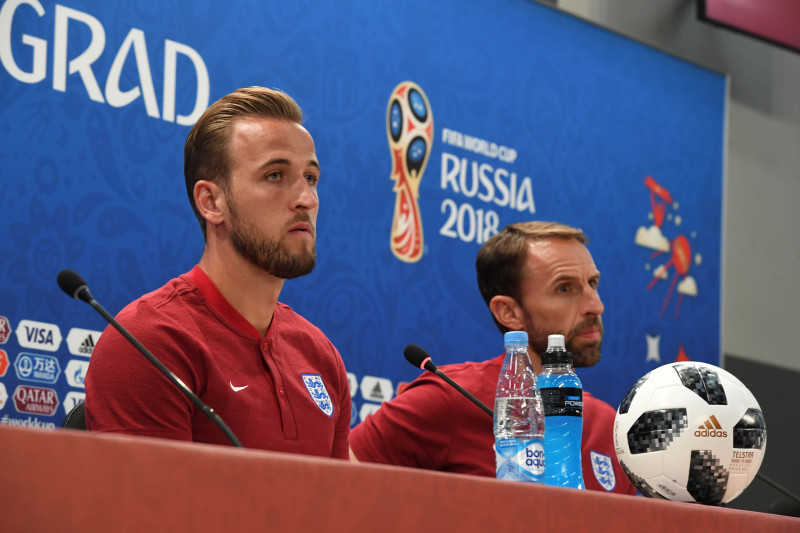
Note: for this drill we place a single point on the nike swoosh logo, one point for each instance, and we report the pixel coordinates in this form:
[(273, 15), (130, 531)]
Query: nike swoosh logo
[(237, 389)]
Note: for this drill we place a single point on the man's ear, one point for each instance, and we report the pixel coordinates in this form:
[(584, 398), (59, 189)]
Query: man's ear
[(508, 312), (210, 201)]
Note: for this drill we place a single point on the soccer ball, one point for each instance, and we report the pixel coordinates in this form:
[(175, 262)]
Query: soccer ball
[(690, 432)]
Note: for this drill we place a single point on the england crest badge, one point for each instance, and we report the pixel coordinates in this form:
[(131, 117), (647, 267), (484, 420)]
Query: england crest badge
[(603, 469), (316, 388)]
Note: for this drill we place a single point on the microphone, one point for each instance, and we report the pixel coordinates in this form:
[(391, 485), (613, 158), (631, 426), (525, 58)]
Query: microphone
[(420, 358), (73, 284)]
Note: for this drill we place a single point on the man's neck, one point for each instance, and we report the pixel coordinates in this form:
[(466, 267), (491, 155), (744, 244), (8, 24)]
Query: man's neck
[(250, 290)]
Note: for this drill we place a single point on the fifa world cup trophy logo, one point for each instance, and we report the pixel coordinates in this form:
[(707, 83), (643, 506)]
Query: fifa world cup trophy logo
[(409, 127)]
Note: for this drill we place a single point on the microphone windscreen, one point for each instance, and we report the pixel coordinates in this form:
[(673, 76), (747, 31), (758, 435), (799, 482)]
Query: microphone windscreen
[(416, 355), (70, 281)]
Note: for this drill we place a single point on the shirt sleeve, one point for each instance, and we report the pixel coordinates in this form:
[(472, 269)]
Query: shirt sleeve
[(414, 429), (341, 436), (126, 393)]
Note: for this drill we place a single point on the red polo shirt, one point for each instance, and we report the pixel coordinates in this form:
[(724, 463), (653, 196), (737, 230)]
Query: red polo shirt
[(286, 391)]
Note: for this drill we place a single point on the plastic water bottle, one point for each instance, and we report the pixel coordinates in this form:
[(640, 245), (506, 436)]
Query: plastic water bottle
[(518, 415), (562, 395)]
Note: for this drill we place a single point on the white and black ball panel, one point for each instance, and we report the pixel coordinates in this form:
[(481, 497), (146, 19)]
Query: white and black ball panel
[(626, 401), (654, 430), (703, 381), (691, 432), (750, 431), (708, 479)]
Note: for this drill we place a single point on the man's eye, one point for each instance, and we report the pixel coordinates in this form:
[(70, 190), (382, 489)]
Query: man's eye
[(563, 288), (274, 176), (312, 179)]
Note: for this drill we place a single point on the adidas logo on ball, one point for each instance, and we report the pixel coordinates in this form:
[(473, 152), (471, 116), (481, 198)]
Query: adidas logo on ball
[(710, 428)]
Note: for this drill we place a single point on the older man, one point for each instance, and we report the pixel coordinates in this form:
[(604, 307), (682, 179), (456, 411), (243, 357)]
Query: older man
[(534, 276)]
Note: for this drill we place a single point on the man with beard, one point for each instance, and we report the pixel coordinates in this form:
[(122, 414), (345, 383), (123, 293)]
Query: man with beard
[(537, 277), (251, 175)]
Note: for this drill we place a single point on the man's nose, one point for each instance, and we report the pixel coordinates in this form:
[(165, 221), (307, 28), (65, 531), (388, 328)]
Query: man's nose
[(307, 197), (593, 304)]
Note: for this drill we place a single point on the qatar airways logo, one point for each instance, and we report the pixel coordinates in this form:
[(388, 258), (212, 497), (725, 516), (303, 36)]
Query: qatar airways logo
[(24, 54)]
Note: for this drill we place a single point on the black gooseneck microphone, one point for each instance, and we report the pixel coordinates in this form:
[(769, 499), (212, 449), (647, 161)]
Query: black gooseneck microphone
[(73, 284), (420, 358)]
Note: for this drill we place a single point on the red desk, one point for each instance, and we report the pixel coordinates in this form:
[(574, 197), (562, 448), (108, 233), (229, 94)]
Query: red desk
[(75, 481)]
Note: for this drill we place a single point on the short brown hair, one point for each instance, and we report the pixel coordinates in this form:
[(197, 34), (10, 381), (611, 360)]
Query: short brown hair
[(206, 155), (501, 260)]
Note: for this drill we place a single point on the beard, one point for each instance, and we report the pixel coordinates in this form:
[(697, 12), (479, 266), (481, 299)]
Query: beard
[(584, 354), (271, 255)]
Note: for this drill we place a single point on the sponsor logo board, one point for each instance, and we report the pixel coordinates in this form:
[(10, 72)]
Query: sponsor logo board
[(3, 363), (72, 399), (37, 367), (375, 389), (82, 341), (38, 335), (76, 373), (5, 329), (35, 400)]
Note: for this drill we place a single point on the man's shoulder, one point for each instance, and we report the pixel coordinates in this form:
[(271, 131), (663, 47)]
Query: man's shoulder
[(291, 322), (169, 296), (474, 368), (176, 307), (297, 331), (162, 320), (285, 313)]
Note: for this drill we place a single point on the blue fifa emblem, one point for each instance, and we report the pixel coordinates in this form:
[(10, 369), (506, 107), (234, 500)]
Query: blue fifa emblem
[(316, 388), (603, 469)]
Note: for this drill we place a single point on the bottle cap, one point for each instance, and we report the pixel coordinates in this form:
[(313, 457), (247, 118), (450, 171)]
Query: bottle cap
[(515, 337), (556, 353), (554, 342)]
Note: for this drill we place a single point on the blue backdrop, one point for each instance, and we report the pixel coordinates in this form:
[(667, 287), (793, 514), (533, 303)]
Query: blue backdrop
[(525, 112)]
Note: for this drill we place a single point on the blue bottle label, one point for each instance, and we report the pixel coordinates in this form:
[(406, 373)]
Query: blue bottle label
[(520, 460), (562, 401)]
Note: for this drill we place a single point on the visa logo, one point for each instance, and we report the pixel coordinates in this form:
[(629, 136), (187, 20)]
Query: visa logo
[(38, 335)]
